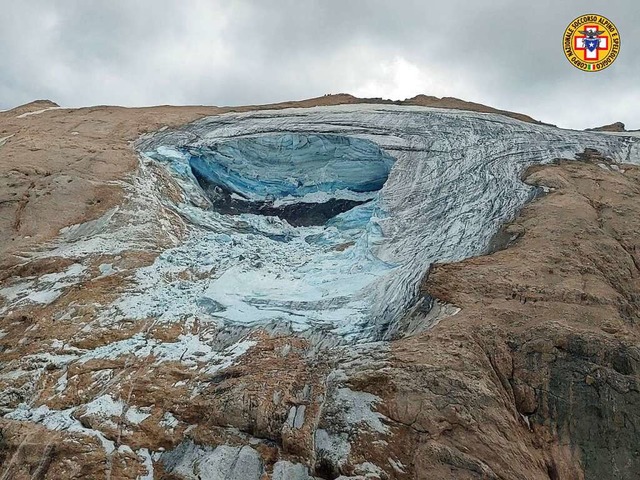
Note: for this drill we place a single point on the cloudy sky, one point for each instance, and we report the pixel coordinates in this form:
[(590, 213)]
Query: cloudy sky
[(504, 53)]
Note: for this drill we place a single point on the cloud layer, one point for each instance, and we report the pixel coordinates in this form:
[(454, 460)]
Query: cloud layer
[(505, 53)]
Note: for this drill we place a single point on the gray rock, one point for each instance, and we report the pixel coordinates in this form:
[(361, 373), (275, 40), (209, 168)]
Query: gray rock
[(193, 462), (299, 419), (285, 470)]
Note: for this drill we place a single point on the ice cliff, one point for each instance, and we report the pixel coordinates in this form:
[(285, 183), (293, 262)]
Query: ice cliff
[(328, 218)]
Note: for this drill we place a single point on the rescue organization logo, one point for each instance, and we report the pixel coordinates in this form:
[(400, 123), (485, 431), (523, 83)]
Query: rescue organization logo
[(591, 42)]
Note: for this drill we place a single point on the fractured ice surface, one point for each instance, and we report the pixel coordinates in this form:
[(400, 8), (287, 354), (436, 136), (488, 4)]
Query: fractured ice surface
[(292, 165), (426, 186), (256, 268)]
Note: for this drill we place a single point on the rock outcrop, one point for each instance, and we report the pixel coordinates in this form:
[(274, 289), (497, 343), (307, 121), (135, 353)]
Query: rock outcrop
[(344, 291), (613, 127)]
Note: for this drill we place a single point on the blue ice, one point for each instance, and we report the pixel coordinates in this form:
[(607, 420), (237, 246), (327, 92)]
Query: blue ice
[(265, 270)]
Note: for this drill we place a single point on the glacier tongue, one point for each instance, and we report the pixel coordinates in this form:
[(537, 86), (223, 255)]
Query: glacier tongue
[(454, 181)]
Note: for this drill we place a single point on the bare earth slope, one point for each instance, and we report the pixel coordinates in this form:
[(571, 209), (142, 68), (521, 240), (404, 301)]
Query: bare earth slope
[(526, 366)]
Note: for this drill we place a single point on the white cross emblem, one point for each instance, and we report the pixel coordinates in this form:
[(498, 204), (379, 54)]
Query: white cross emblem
[(580, 44)]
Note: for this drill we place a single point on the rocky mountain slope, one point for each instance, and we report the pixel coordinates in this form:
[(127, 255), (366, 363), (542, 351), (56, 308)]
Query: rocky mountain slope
[(613, 127), (333, 288)]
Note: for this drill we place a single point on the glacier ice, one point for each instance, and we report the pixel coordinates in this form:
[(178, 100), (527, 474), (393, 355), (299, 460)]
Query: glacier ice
[(304, 179), (262, 269), (410, 186), (289, 164)]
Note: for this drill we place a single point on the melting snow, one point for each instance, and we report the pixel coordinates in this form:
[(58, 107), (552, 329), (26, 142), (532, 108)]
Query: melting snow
[(358, 408), (38, 112), (58, 420), (44, 289), (147, 461), (169, 422), (106, 269), (3, 140), (61, 384), (135, 415), (105, 406), (189, 349)]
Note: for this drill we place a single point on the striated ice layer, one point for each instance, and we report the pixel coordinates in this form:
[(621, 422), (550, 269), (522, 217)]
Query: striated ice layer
[(426, 186), (293, 165)]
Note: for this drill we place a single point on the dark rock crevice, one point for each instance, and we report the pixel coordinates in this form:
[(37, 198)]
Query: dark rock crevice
[(300, 214)]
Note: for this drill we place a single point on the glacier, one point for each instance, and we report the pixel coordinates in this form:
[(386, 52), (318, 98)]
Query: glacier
[(326, 219), (289, 217)]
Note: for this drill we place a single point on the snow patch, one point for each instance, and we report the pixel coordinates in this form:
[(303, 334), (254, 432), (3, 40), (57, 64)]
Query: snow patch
[(189, 349), (169, 422), (105, 407), (61, 384), (106, 269), (147, 461), (60, 420), (358, 408), (38, 112), (136, 416), (3, 140), (44, 289)]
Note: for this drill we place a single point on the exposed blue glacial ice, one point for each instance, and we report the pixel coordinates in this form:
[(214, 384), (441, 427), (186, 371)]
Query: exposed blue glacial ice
[(292, 165), (256, 268)]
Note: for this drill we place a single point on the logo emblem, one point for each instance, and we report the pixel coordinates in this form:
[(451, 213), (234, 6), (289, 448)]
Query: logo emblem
[(591, 42)]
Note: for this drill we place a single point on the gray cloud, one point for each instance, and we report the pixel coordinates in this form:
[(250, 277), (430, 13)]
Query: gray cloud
[(505, 53)]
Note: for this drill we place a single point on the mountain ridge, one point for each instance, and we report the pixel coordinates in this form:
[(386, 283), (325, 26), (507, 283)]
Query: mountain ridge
[(452, 322)]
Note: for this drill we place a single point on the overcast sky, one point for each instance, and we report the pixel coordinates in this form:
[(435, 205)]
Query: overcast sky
[(504, 53)]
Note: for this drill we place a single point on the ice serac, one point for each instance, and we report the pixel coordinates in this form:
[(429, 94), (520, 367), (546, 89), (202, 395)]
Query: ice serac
[(328, 218), (292, 165), (304, 179)]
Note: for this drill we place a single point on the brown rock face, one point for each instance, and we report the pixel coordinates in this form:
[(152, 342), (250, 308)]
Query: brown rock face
[(531, 371), (457, 104), (537, 376), (613, 127)]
